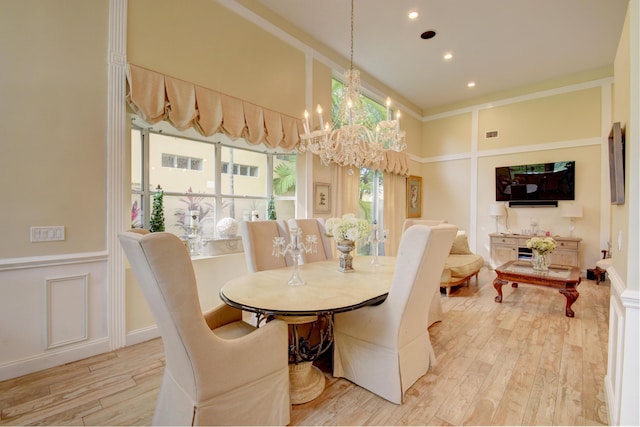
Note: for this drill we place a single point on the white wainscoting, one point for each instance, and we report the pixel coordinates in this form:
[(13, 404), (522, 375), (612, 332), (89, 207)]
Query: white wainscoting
[(53, 310), (623, 370)]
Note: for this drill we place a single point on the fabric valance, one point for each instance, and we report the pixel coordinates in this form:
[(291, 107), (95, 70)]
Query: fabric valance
[(156, 97)]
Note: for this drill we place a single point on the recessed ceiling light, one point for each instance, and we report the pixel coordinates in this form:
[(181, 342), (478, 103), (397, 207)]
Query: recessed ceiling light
[(471, 84), (448, 56), (428, 35), (413, 14)]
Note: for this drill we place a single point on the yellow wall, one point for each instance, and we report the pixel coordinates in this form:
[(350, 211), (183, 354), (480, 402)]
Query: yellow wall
[(205, 43), (459, 180), (621, 113), (445, 136), (53, 121), (563, 117)]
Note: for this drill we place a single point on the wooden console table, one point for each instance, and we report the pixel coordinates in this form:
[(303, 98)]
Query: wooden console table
[(511, 247), (565, 278)]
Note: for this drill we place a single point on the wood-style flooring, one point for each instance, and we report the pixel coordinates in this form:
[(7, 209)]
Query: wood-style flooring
[(521, 362)]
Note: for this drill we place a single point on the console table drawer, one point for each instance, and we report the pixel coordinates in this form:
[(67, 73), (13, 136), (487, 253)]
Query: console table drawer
[(567, 245), (504, 241)]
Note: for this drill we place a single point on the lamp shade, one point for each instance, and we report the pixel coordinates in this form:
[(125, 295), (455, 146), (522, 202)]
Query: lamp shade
[(572, 210), (497, 209)]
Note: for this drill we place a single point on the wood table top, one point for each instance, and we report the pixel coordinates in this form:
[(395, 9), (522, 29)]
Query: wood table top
[(326, 290)]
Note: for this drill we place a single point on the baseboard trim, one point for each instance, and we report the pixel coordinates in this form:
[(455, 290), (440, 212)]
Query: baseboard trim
[(142, 335), (52, 358)]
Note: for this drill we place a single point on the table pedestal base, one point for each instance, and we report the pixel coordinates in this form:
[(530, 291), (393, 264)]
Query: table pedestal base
[(306, 382)]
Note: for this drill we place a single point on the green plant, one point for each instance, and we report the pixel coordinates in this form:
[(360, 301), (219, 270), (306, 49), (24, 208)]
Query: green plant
[(271, 209), (157, 213)]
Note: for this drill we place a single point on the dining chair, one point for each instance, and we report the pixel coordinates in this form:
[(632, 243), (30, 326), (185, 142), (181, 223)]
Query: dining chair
[(257, 240), (311, 226), (386, 348), (218, 369), (435, 310)]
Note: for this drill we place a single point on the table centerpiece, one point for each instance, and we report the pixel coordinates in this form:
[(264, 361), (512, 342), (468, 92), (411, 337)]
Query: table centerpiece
[(541, 247), (345, 231)]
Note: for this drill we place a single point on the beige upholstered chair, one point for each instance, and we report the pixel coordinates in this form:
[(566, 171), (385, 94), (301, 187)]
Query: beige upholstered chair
[(257, 240), (386, 348), (219, 369), (435, 311), (314, 226)]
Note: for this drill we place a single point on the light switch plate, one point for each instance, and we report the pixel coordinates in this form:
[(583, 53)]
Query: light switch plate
[(47, 234)]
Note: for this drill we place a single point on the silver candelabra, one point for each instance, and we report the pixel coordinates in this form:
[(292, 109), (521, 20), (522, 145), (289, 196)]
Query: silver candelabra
[(375, 238), (295, 247), (193, 237)]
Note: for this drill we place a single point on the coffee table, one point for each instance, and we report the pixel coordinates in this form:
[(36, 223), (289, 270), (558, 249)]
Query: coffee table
[(563, 277)]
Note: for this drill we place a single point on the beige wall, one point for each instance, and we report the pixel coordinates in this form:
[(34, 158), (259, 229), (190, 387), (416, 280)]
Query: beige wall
[(459, 179), (563, 117), (53, 119), (205, 43), (621, 112), (446, 136)]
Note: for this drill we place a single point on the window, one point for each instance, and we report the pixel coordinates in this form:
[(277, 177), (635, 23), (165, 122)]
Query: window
[(211, 177), (181, 162), (244, 170), (371, 191)]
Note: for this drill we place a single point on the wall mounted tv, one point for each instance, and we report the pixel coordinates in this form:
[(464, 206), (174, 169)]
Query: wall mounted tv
[(540, 182)]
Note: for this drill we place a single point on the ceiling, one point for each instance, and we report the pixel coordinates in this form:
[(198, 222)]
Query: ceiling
[(498, 44)]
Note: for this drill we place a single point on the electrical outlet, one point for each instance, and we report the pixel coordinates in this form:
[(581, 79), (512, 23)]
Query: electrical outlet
[(47, 234)]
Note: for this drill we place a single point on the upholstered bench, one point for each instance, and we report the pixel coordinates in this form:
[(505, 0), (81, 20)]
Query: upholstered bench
[(461, 264)]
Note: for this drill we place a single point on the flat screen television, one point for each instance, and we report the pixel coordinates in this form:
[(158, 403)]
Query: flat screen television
[(536, 182)]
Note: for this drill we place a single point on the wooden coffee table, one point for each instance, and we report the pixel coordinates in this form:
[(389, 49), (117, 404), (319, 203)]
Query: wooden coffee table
[(563, 277)]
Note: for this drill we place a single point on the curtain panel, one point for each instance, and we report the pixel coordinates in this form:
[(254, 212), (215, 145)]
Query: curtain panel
[(156, 97)]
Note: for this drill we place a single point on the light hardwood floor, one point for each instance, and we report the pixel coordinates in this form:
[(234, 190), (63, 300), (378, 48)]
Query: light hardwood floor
[(521, 362)]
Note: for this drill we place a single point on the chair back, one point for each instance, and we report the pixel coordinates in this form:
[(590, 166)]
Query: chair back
[(257, 239), (421, 258), (430, 222), (162, 265), (315, 226)]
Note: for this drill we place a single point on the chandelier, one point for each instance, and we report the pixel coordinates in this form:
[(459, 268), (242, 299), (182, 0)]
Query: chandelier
[(351, 142)]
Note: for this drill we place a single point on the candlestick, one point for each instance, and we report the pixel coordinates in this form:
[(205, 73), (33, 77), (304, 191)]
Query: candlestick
[(388, 109), (295, 247), (319, 109)]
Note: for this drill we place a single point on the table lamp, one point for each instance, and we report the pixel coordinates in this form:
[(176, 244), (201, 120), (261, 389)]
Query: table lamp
[(497, 210), (571, 211)]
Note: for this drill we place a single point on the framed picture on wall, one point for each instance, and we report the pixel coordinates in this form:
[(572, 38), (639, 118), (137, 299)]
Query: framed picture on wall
[(321, 198), (414, 196)]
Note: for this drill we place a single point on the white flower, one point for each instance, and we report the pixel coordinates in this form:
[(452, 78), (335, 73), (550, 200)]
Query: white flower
[(541, 244), (347, 228)]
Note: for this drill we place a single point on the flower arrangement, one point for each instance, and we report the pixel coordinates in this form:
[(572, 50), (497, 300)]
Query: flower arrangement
[(347, 228), (542, 244)]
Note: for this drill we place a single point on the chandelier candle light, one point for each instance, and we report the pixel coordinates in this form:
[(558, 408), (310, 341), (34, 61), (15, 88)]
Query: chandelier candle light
[(351, 143), (295, 247)]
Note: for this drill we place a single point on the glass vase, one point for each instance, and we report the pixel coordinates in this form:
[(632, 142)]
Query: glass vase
[(540, 260)]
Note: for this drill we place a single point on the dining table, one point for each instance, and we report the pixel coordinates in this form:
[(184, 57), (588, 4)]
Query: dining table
[(309, 308)]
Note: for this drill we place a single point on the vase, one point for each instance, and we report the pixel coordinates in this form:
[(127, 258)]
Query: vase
[(345, 247), (540, 260)]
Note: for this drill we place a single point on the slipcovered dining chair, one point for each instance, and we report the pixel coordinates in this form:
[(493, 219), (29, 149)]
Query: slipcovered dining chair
[(435, 309), (314, 226), (386, 348), (218, 369), (257, 240)]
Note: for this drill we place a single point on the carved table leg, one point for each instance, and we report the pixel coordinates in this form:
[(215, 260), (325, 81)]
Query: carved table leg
[(498, 283), (572, 295)]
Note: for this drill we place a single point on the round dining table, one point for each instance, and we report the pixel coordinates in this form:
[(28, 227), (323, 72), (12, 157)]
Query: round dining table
[(325, 291)]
